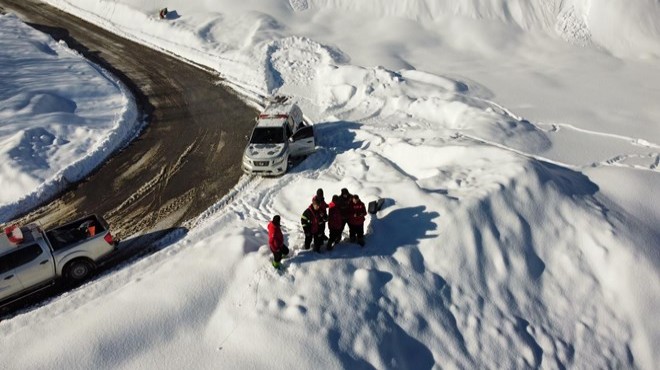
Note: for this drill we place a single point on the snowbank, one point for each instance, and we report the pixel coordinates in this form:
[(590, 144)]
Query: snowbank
[(61, 116)]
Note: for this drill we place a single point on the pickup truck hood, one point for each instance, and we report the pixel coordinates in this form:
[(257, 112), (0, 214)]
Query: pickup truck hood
[(264, 151)]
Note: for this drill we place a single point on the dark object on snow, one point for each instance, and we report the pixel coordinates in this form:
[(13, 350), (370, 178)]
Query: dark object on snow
[(375, 206), (163, 13)]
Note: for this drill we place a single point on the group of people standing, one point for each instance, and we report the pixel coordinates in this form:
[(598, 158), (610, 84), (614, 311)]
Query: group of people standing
[(344, 209)]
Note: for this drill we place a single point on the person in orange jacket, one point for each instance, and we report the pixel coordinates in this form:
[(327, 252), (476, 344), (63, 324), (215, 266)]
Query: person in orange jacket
[(357, 211), (276, 242)]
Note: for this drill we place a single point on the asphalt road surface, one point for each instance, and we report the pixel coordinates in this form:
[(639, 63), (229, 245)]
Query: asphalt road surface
[(187, 157)]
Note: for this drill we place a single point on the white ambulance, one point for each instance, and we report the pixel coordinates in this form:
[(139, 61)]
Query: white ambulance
[(280, 134)]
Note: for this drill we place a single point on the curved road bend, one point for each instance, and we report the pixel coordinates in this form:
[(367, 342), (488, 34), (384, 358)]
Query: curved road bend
[(186, 158)]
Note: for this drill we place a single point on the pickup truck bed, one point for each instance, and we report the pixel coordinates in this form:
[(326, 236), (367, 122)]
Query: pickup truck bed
[(75, 232)]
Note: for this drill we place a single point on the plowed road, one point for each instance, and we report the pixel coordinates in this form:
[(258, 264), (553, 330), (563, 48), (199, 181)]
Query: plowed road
[(186, 158)]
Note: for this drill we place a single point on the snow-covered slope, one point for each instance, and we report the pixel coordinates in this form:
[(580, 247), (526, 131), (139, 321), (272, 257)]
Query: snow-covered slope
[(507, 158), (625, 28)]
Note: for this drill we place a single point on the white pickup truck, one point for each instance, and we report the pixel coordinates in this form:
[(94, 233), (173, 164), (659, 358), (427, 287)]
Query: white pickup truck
[(31, 259)]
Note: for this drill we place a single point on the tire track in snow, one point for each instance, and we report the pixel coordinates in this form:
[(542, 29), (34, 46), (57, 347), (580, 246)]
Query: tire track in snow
[(615, 161), (246, 184), (557, 126), (184, 160)]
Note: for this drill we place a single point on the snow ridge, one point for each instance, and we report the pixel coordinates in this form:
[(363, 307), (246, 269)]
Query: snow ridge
[(580, 22)]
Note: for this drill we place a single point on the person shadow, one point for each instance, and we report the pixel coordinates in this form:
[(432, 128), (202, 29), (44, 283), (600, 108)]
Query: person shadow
[(172, 14), (401, 228)]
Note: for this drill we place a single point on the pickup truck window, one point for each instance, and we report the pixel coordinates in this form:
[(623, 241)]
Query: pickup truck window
[(19, 257), (267, 135)]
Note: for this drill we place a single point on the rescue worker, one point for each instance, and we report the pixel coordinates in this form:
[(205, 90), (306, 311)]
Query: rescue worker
[(310, 223), (276, 242), (323, 212), (356, 220), (343, 203), (335, 223)]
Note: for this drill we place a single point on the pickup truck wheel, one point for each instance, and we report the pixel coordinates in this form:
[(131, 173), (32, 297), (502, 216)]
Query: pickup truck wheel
[(79, 270)]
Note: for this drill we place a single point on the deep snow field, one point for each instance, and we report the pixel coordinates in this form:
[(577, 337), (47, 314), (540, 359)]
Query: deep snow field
[(516, 147)]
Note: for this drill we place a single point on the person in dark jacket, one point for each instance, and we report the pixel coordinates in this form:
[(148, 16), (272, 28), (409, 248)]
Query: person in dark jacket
[(335, 223), (323, 212), (310, 223), (356, 220), (343, 204), (276, 242)]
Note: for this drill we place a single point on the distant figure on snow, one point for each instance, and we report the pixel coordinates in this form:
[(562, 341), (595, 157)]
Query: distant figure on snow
[(276, 242)]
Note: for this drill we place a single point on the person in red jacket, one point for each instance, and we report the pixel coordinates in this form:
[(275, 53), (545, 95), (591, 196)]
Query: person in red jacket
[(356, 220), (335, 223), (276, 242)]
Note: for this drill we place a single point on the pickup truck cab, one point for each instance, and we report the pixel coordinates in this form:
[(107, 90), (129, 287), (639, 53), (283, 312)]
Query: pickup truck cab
[(31, 259), (281, 133)]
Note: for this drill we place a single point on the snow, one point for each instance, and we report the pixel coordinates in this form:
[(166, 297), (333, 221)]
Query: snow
[(515, 144), (61, 116)]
